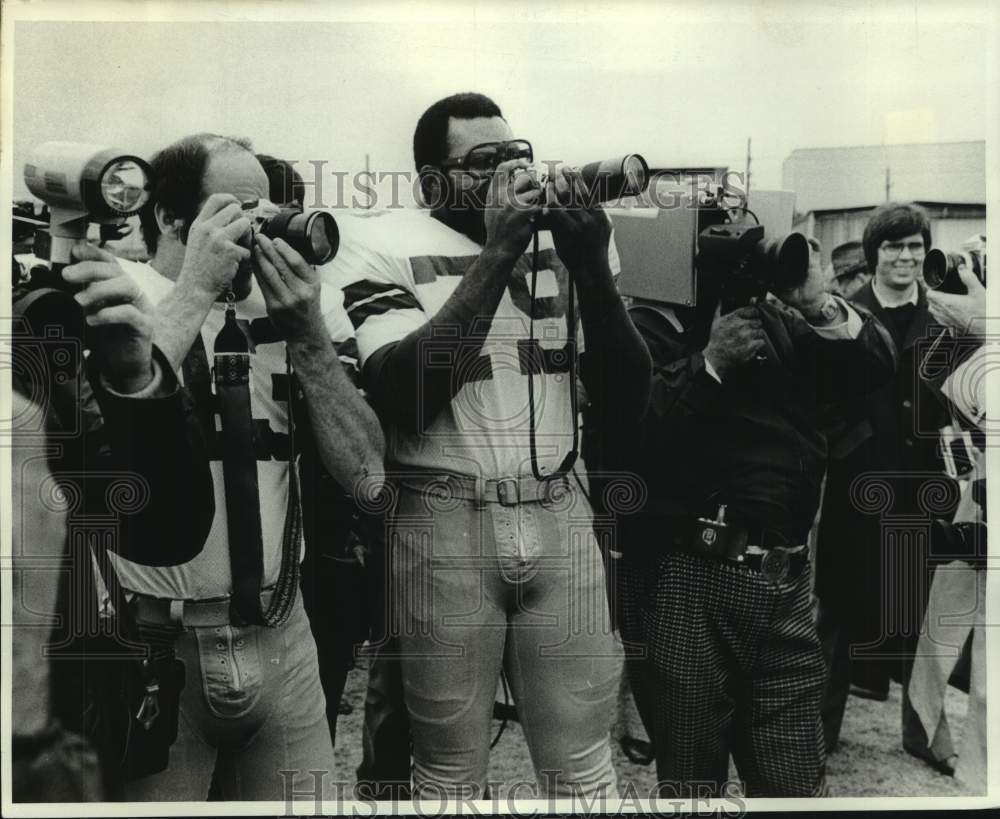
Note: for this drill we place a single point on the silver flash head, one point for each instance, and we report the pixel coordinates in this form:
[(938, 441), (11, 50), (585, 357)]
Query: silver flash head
[(102, 182), (81, 184)]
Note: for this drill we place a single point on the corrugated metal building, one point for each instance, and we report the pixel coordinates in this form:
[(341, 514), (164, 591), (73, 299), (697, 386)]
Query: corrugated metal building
[(837, 188)]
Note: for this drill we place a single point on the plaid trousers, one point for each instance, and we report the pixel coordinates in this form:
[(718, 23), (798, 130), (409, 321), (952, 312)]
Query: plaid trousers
[(721, 661)]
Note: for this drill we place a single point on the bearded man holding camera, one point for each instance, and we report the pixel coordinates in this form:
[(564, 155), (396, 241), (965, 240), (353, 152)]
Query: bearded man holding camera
[(470, 363)]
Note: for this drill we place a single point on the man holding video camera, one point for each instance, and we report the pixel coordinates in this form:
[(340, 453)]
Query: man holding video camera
[(470, 364), (724, 656), (251, 709)]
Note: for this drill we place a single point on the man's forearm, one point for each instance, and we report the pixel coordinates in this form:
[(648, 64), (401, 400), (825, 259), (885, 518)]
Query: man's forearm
[(180, 316), (348, 435), (400, 384)]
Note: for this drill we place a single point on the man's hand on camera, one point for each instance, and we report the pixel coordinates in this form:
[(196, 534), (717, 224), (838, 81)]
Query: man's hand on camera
[(735, 339), (964, 312), (121, 317), (512, 202), (580, 233), (213, 251), (291, 289)]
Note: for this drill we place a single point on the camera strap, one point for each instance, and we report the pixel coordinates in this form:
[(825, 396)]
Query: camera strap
[(239, 468), (571, 456)]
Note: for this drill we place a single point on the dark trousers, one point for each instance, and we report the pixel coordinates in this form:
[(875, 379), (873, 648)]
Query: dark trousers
[(384, 772), (843, 671), (721, 662), (386, 755)]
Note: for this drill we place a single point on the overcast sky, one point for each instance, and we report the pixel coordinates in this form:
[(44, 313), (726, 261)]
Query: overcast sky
[(682, 83)]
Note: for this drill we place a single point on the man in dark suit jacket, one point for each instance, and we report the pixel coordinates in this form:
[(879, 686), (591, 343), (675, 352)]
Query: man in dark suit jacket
[(867, 604)]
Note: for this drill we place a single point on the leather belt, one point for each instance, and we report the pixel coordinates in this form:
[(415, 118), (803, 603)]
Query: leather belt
[(509, 491), (161, 611), (774, 562)]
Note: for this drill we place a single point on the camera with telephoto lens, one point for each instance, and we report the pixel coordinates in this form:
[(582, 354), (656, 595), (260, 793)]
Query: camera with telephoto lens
[(940, 270), (80, 185), (606, 181), (313, 235)]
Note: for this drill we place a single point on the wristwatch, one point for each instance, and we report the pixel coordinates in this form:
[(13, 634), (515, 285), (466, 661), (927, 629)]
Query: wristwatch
[(829, 310)]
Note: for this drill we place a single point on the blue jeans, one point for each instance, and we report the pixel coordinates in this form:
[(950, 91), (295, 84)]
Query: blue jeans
[(519, 587), (252, 707)]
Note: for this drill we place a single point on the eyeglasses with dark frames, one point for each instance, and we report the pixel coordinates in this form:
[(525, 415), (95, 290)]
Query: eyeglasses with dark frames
[(485, 157), (893, 250)]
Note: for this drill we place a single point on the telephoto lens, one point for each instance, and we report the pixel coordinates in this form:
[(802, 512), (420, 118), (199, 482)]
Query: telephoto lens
[(314, 235), (612, 179), (941, 271)]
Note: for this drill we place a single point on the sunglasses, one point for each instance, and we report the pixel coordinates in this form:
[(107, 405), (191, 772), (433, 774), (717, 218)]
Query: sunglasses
[(484, 158)]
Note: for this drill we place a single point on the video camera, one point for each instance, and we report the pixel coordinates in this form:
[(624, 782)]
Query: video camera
[(940, 268), (746, 264), (666, 248)]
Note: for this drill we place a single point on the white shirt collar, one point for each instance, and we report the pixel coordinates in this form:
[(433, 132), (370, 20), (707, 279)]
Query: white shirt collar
[(914, 296)]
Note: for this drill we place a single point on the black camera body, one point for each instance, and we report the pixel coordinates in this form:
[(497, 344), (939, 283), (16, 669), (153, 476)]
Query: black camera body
[(39, 294)]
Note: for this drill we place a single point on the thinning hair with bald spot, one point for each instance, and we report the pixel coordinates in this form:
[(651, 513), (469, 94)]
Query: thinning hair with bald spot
[(178, 177)]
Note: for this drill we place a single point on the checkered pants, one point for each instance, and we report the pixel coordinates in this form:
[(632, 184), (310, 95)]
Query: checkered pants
[(722, 661)]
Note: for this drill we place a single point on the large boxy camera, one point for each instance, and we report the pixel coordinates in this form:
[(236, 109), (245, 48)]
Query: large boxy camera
[(746, 245)]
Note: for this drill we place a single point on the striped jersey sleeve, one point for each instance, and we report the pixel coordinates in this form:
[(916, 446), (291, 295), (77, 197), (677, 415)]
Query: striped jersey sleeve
[(379, 295), (338, 324)]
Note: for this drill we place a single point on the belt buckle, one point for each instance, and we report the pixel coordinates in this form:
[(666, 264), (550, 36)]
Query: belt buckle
[(774, 565), (508, 492)]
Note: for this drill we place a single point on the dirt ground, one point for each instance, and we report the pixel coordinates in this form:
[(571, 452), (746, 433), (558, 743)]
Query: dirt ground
[(869, 761)]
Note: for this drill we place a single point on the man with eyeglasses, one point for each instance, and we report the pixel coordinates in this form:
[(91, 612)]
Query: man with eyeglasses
[(469, 343), (863, 598)]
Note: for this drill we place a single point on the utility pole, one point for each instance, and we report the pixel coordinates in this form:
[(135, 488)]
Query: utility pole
[(368, 175), (888, 183), (746, 176)]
